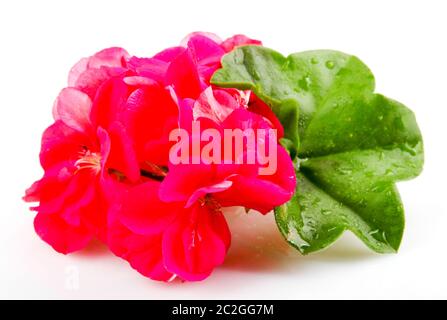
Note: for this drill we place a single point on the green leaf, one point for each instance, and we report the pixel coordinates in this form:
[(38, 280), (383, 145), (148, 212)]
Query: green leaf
[(352, 145)]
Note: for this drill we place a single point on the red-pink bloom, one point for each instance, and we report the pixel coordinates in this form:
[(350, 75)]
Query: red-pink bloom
[(162, 240), (74, 156), (85, 150), (106, 160), (186, 234)]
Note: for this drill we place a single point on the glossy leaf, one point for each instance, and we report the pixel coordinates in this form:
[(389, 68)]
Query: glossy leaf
[(352, 145)]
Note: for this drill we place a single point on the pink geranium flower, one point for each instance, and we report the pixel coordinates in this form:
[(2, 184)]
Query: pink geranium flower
[(107, 172), (75, 156), (87, 149), (173, 226)]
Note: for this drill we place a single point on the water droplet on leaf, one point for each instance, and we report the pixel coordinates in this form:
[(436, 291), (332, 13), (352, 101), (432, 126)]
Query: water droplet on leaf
[(330, 64)]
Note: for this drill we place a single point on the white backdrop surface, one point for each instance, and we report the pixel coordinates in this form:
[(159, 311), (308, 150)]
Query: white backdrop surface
[(403, 42)]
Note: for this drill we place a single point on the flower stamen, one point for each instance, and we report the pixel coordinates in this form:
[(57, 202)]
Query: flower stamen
[(89, 160)]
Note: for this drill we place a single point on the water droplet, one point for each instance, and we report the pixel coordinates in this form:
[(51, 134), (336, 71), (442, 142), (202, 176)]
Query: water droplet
[(344, 171), (256, 75), (326, 212), (308, 229), (384, 236), (330, 64), (398, 123), (294, 237), (407, 148), (380, 117), (304, 83), (362, 203)]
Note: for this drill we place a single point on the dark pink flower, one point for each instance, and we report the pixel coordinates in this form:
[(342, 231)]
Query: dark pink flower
[(107, 172), (74, 156), (173, 225), (163, 240)]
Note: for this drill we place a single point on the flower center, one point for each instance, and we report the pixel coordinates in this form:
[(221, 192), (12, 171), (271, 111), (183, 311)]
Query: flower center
[(209, 201), (89, 160)]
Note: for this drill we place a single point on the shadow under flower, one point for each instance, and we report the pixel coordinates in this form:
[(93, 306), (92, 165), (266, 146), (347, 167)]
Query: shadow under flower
[(257, 245), (94, 249)]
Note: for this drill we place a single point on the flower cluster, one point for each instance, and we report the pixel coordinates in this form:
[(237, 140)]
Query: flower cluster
[(107, 168)]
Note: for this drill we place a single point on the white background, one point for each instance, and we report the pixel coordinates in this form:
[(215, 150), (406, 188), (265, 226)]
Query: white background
[(403, 42)]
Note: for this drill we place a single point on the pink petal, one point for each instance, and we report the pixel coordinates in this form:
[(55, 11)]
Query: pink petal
[(73, 108), (216, 105), (119, 153), (110, 100), (150, 68), (262, 193), (185, 179), (149, 115), (143, 252), (183, 76), (238, 40), (48, 190), (212, 36), (257, 106), (139, 81), (64, 238), (91, 80), (196, 243), (62, 143), (169, 54), (205, 50), (141, 211), (110, 57), (76, 71), (90, 73)]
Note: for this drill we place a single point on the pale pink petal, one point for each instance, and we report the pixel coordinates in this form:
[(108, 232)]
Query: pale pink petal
[(139, 81), (73, 108), (150, 68), (77, 70), (91, 79), (110, 57), (238, 40), (216, 105), (212, 36)]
